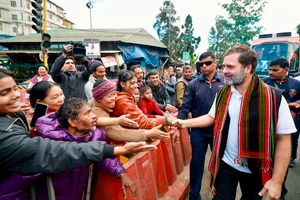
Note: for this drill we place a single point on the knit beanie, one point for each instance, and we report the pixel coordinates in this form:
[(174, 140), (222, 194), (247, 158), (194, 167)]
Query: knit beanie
[(103, 89), (93, 64)]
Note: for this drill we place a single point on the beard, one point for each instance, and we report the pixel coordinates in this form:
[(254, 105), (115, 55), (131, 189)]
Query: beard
[(236, 79)]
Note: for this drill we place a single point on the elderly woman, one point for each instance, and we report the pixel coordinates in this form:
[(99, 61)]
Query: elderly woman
[(23, 158), (103, 102), (42, 75), (127, 83)]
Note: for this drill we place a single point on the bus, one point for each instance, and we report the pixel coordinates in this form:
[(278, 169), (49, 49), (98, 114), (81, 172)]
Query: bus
[(271, 46)]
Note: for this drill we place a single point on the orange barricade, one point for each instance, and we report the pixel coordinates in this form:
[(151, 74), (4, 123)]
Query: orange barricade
[(159, 170), (154, 173), (108, 187), (185, 146), (169, 160), (146, 178), (177, 153)]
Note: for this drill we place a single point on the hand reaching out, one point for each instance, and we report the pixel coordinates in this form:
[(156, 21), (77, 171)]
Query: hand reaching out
[(156, 133), (124, 120), (127, 182)]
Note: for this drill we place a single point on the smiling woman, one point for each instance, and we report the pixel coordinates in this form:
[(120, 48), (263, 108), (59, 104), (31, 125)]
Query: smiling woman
[(9, 101), (48, 93), (23, 159)]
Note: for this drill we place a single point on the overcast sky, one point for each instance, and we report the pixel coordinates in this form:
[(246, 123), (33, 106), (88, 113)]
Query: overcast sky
[(279, 15)]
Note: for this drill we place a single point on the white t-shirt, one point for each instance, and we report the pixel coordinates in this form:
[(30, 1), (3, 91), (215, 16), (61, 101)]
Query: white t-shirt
[(285, 125)]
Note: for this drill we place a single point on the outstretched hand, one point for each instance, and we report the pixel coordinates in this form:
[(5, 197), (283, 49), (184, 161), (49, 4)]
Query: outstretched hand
[(127, 182), (175, 137), (156, 133), (133, 147), (179, 123), (124, 120)]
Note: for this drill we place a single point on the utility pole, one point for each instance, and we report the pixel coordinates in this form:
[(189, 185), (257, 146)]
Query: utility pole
[(170, 10), (45, 31), (90, 6)]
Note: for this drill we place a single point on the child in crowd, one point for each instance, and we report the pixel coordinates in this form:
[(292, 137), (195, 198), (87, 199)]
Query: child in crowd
[(136, 95), (148, 104)]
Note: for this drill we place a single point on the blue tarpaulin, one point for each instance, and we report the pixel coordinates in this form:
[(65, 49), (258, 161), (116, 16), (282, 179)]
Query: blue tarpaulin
[(133, 53)]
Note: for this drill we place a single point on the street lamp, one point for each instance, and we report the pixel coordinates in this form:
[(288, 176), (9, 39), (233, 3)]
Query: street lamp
[(89, 5)]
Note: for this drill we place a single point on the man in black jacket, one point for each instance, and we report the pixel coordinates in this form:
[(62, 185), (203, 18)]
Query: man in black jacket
[(64, 72), (159, 91)]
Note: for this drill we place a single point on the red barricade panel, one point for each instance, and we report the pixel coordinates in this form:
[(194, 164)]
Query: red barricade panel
[(145, 175), (177, 153), (159, 170), (169, 160), (108, 187), (186, 146)]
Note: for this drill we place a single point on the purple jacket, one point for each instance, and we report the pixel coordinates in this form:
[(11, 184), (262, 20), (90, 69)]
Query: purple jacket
[(69, 185)]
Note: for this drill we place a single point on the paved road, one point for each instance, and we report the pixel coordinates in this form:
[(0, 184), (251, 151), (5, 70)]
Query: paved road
[(292, 184)]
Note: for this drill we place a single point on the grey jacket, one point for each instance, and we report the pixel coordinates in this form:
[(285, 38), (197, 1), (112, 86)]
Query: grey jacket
[(19, 153), (72, 83)]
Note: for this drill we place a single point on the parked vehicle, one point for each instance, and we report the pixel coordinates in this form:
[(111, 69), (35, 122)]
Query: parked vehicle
[(271, 46)]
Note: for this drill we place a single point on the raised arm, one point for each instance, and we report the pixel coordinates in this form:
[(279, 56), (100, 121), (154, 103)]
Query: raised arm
[(21, 154), (55, 71)]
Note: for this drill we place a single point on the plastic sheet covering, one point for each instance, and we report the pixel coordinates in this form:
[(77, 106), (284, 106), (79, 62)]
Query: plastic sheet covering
[(150, 55)]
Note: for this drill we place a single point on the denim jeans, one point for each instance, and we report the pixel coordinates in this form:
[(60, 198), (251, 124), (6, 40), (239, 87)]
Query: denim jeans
[(199, 143)]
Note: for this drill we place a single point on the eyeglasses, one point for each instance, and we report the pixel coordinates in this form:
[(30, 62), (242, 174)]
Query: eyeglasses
[(207, 63)]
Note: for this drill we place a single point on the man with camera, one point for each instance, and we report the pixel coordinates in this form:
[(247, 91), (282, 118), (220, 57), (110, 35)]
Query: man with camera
[(64, 72)]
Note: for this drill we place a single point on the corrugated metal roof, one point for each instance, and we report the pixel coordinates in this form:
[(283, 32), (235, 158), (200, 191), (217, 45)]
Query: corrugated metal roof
[(26, 51), (133, 36)]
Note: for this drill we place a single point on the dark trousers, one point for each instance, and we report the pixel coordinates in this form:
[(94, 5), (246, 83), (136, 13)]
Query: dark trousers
[(228, 179), (295, 137), (199, 143)]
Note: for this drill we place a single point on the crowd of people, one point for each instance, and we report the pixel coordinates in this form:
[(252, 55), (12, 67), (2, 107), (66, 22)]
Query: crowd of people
[(250, 127)]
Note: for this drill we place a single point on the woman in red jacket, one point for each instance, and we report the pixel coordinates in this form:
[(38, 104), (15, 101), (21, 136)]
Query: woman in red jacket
[(127, 83)]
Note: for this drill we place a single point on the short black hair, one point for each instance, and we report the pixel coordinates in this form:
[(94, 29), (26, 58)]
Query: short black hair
[(40, 91), (133, 67), (5, 72), (144, 88), (70, 110), (282, 62), (207, 54), (124, 75), (42, 66), (152, 72)]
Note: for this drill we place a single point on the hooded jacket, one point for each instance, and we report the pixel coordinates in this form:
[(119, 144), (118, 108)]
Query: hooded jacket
[(22, 158), (71, 184)]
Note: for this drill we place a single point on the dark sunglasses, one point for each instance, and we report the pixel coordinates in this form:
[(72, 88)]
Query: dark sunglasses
[(207, 63)]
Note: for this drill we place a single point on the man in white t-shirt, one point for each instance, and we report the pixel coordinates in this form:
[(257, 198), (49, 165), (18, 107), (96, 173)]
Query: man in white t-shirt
[(252, 130)]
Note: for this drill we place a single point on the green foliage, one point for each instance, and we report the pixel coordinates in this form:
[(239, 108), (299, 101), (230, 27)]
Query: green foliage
[(298, 29), (180, 39), (240, 26)]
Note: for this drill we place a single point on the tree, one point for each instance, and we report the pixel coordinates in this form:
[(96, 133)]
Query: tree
[(218, 39), (240, 26), (298, 29), (180, 39), (163, 27), (190, 43)]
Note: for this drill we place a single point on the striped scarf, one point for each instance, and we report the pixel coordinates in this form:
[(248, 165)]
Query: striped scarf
[(256, 131)]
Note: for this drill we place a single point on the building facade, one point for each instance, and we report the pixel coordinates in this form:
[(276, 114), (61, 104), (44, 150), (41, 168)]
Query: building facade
[(16, 18)]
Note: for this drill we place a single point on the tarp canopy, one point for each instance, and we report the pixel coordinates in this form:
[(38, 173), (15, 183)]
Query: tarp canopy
[(133, 53)]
